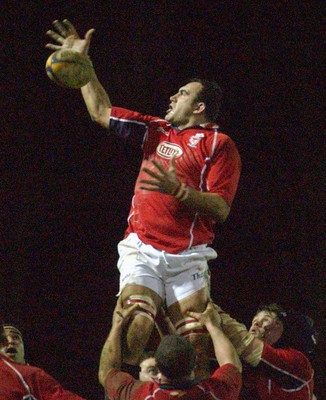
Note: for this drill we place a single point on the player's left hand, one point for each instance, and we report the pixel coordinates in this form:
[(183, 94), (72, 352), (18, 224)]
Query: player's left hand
[(165, 181), (209, 316)]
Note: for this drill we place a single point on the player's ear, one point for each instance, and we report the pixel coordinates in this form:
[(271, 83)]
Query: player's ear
[(200, 108), (280, 325)]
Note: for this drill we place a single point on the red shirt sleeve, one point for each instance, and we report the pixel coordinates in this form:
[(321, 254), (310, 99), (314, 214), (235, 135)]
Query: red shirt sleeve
[(51, 389), (229, 381), (224, 171), (120, 386), (288, 367)]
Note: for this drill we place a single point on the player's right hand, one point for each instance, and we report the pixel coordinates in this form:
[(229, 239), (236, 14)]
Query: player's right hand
[(66, 37)]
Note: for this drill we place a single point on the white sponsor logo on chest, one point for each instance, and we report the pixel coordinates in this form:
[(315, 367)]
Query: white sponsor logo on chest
[(194, 140), (169, 150)]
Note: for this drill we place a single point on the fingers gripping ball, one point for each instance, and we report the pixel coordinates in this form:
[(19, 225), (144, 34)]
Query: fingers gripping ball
[(69, 68)]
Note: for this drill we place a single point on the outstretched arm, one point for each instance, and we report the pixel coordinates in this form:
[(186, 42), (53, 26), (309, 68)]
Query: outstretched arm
[(97, 100), (225, 353), (111, 352)]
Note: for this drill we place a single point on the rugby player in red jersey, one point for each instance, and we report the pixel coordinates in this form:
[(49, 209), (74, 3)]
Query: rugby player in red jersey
[(187, 181)]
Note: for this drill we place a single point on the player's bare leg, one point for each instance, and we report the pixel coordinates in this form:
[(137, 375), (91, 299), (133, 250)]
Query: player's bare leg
[(191, 329), (140, 328)]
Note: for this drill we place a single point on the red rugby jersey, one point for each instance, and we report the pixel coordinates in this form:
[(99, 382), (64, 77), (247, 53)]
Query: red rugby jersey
[(206, 160), (282, 374), (224, 384), (18, 381)]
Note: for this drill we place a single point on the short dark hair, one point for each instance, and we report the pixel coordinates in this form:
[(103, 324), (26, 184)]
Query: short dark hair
[(211, 94), (299, 332), (175, 357), (146, 355), (273, 307)]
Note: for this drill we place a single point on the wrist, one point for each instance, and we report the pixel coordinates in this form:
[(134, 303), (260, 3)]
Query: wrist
[(117, 329), (182, 192), (212, 325)]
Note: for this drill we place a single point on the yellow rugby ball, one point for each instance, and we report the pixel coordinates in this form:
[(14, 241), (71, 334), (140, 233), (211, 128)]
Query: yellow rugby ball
[(69, 68)]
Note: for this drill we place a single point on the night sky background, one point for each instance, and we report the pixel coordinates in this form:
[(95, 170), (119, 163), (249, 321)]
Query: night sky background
[(66, 185)]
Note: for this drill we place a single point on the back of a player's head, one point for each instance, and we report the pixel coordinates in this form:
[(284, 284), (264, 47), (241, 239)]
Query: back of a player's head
[(299, 332), (211, 94), (175, 357)]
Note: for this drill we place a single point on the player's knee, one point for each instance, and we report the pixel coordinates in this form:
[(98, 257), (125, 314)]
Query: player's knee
[(146, 306)]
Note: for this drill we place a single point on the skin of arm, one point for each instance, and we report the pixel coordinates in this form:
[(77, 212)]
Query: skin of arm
[(210, 204), (166, 181), (111, 352), (246, 345), (97, 100), (224, 351)]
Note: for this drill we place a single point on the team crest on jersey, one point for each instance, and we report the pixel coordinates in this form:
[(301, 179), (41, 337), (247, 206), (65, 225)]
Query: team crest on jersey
[(195, 139), (169, 150)]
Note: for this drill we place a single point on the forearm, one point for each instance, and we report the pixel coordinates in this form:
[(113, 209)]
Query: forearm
[(111, 354), (209, 204), (247, 346), (97, 101), (225, 353)]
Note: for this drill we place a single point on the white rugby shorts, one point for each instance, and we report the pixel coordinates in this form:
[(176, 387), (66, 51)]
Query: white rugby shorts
[(172, 276)]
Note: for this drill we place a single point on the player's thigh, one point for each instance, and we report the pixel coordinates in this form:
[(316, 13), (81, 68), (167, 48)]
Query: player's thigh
[(196, 301), (147, 298)]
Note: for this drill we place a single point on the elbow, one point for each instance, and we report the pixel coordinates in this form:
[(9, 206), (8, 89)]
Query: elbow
[(222, 214), (238, 365), (100, 120), (101, 117), (101, 377)]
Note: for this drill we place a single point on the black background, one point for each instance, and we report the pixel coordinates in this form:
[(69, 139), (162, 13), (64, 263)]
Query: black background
[(66, 186)]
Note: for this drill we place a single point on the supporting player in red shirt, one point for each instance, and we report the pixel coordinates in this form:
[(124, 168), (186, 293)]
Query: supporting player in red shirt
[(21, 381), (276, 349), (175, 359)]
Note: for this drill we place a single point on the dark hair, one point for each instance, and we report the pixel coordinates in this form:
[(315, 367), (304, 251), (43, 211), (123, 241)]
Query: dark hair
[(145, 355), (175, 357), (273, 307), (299, 332), (211, 94)]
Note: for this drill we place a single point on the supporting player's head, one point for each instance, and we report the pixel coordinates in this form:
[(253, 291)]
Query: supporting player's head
[(175, 358), (211, 94), (282, 328), (267, 324), (148, 367), (12, 346)]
